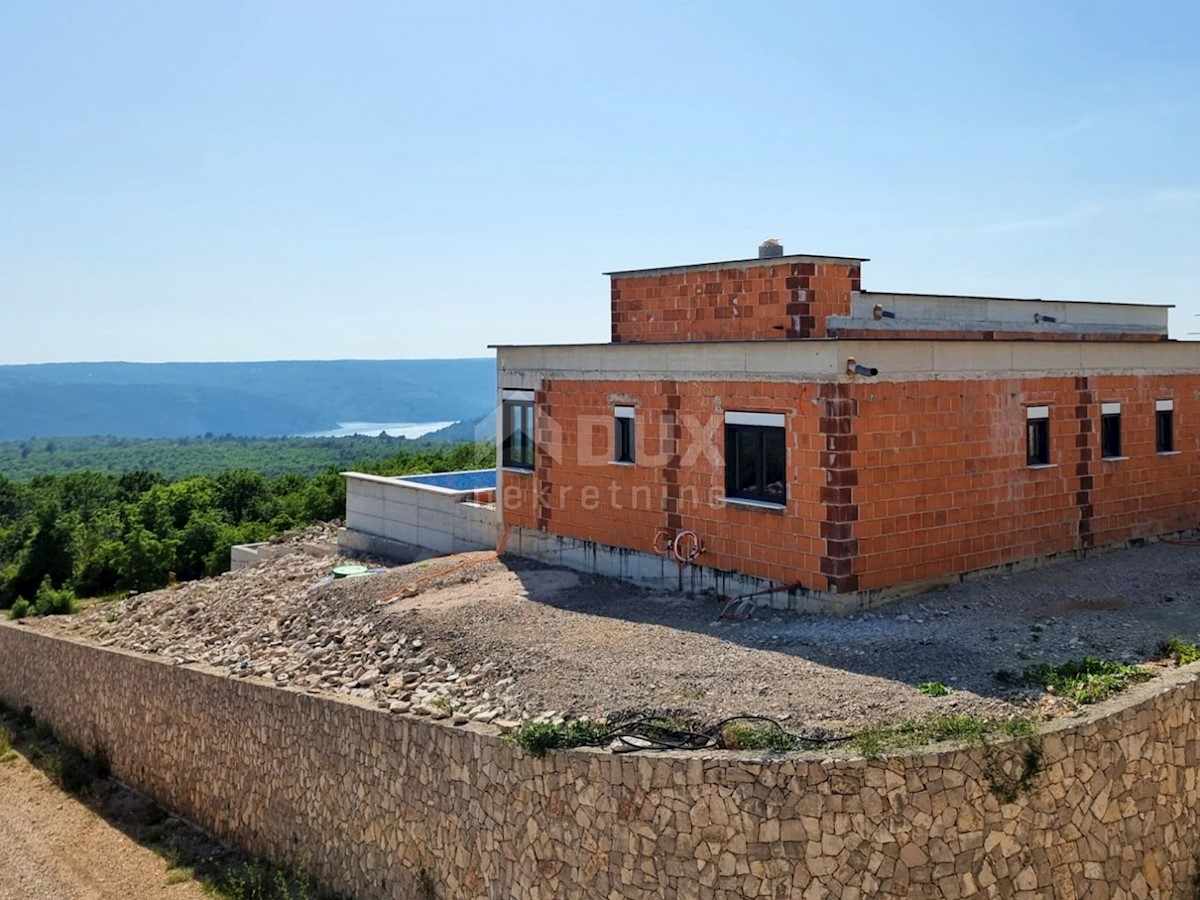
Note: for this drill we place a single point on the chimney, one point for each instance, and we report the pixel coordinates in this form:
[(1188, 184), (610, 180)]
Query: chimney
[(770, 248)]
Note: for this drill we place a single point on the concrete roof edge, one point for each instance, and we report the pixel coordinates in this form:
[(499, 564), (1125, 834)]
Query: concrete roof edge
[(1014, 299), (802, 342), (769, 261)]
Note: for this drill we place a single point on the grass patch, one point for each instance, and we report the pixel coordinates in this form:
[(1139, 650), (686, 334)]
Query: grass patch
[(1008, 774), (1183, 652), (757, 737), (536, 738), (7, 752), (665, 731), (693, 692), (445, 704), (1087, 680), (933, 689), (257, 880), (179, 875), (672, 723), (967, 728)]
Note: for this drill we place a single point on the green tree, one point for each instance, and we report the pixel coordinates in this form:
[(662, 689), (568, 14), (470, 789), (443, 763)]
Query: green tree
[(199, 538), (146, 561), (240, 493), (48, 555)]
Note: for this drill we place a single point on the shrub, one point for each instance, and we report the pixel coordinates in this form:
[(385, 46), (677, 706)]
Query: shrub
[(52, 602), (77, 772), (20, 609), (1183, 652)]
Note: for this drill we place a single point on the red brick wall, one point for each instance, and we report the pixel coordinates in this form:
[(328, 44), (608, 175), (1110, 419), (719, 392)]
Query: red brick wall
[(754, 301), (672, 485), (888, 483), (943, 486)]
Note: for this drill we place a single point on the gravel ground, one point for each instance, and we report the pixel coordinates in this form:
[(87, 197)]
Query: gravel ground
[(52, 847), (472, 637)]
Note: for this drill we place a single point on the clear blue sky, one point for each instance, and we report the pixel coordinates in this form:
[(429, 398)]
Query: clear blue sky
[(246, 180)]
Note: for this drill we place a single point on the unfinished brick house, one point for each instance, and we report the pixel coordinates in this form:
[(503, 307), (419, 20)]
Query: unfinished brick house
[(768, 425)]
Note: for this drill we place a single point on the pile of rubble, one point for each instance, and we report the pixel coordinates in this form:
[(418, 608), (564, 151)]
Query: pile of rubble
[(289, 622)]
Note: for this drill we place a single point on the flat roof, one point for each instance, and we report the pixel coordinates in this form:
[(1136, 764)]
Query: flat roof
[(523, 368), (742, 263), (1013, 299), (800, 342)]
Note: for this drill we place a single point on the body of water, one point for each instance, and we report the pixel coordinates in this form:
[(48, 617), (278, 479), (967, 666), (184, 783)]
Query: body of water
[(395, 429), (477, 480)]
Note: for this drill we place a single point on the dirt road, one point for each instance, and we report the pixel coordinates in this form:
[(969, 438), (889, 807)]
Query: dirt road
[(52, 847)]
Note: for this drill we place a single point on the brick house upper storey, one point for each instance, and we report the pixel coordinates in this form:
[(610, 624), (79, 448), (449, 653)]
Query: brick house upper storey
[(801, 296), (767, 424)]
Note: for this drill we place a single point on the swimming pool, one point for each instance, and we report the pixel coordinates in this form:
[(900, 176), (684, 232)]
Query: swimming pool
[(473, 480)]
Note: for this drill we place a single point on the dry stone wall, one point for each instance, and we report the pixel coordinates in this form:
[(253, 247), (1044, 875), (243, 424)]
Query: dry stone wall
[(376, 805)]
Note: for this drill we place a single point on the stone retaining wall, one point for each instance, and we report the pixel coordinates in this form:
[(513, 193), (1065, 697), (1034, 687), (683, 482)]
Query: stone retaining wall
[(367, 802)]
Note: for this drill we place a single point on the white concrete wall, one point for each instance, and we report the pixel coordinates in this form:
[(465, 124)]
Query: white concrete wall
[(432, 521), (791, 361), (922, 312), (246, 555)]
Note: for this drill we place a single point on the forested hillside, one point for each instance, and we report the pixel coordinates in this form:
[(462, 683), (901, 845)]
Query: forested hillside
[(177, 457), (257, 399), (91, 534)]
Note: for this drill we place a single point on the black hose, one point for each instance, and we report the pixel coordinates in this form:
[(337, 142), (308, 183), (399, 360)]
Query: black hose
[(653, 733)]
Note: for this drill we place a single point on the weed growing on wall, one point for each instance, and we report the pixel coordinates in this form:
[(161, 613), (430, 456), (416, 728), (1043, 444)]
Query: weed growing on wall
[(1009, 777), (933, 689), (966, 728), (425, 886)]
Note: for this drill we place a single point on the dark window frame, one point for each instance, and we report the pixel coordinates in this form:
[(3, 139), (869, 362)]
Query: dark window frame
[(1164, 430), (1037, 441), (760, 434), (1110, 435), (624, 438), (518, 447)]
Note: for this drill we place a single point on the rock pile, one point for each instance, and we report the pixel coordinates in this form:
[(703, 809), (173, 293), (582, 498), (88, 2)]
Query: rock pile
[(288, 622)]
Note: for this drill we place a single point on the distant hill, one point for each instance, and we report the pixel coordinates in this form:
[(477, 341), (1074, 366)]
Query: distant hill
[(252, 399), (476, 430)]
